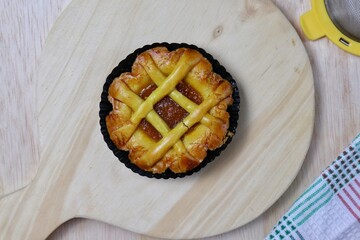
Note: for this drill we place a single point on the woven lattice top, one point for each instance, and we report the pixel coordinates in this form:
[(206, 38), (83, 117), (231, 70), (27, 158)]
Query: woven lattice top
[(204, 126)]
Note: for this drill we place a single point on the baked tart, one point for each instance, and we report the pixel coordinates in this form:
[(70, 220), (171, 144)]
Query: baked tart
[(167, 109)]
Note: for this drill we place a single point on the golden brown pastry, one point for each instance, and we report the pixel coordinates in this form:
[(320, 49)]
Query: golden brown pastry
[(169, 110)]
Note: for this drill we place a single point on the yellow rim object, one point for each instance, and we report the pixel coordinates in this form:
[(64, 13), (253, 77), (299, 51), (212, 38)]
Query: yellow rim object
[(317, 23)]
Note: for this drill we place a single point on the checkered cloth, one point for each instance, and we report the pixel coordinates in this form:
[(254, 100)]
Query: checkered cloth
[(330, 207)]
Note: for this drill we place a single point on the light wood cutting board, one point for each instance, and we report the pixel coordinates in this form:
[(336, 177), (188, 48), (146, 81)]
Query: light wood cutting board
[(79, 176)]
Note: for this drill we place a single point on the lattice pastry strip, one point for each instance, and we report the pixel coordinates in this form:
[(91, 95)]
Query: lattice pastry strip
[(158, 151), (186, 63), (180, 65), (159, 78), (134, 102)]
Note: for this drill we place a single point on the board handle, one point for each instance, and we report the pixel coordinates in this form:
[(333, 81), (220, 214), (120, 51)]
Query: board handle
[(24, 216)]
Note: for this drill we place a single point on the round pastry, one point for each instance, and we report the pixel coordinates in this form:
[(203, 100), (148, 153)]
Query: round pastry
[(168, 110)]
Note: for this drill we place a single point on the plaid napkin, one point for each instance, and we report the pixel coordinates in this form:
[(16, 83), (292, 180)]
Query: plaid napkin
[(330, 207)]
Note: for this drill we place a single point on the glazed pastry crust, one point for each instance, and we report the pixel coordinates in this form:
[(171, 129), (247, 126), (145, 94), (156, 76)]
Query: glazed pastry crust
[(204, 128)]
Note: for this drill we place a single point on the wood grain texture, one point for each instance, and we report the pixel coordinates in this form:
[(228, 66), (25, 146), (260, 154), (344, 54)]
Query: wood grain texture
[(79, 176), (336, 119), (24, 27)]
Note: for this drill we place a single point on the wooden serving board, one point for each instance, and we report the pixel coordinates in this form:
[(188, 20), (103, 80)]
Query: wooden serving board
[(80, 177)]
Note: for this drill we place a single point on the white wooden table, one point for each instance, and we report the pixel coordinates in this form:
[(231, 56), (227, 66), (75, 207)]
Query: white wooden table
[(24, 27)]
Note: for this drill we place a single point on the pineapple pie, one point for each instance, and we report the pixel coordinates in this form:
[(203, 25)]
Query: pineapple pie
[(169, 110)]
